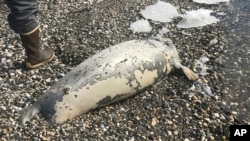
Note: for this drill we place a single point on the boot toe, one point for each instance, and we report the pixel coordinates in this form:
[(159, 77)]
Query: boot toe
[(46, 55)]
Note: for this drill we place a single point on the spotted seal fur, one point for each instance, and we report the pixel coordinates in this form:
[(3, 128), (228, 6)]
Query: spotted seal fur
[(112, 74)]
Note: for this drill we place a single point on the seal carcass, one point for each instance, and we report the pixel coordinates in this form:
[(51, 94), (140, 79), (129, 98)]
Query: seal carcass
[(110, 75)]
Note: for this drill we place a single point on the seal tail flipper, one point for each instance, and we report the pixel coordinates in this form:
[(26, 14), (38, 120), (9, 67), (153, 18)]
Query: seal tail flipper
[(189, 73), (28, 113)]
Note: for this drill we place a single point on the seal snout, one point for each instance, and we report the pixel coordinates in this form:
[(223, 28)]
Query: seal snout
[(28, 113)]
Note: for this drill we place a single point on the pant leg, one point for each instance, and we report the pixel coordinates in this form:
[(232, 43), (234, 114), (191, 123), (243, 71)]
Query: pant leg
[(22, 18)]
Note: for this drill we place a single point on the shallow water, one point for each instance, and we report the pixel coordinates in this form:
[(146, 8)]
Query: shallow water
[(237, 65)]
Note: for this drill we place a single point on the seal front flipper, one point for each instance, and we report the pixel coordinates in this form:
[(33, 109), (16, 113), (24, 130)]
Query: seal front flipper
[(175, 61), (189, 73)]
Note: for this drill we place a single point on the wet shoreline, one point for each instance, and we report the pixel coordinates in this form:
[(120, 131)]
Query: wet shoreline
[(237, 70)]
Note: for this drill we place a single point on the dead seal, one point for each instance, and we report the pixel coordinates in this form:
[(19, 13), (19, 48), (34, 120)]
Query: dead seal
[(112, 74)]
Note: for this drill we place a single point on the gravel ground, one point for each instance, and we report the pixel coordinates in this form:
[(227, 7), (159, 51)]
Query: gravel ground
[(173, 109), (237, 66)]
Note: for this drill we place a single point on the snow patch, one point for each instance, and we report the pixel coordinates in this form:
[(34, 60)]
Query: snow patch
[(161, 12), (213, 41), (200, 65), (163, 31), (196, 18), (140, 26), (203, 88), (165, 12), (210, 1)]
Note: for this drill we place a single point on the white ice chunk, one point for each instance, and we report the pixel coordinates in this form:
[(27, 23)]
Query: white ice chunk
[(204, 59), (196, 18), (210, 1), (208, 90), (161, 12), (163, 31), (221, 13), (200, 65), (213, 41), (140, 26)]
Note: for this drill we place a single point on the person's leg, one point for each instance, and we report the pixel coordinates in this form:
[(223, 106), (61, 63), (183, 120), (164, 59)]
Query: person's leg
[(22, 19)]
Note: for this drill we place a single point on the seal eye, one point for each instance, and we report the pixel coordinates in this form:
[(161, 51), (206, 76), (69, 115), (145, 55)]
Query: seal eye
[(66, 90)]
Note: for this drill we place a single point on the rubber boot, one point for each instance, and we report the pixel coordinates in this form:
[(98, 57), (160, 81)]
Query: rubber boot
[(35, 56)]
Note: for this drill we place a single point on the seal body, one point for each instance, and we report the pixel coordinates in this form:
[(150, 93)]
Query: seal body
[(110, 75)]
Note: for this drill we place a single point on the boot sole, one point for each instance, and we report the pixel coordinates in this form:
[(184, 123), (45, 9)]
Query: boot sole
[(29, 66)]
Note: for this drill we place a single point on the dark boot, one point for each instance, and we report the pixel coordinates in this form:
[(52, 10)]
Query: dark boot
[(35, 56)]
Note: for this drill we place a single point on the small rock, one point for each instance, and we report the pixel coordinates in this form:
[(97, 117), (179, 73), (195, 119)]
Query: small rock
[(234, 113), (207, 119), (132, 139), (217, 115), (154, 121), (176, 132), (35, 139), (3, 108), (169, 133), (169, 122)]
